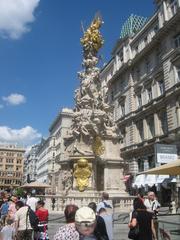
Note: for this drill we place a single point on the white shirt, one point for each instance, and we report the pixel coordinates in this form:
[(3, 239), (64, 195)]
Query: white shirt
[(31, 202), (109, 224), (8, 232), (23, 219), (151, 205), (103, 204)]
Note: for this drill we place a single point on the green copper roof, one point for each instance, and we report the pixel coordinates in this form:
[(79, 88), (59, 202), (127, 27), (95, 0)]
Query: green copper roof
[(132, 25)]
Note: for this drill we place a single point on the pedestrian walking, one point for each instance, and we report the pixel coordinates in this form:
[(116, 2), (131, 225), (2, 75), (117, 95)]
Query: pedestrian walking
[(68, 231), (141, 223), (42, 214), (107, 213), (153, 207), (108, 222), (22, 222)]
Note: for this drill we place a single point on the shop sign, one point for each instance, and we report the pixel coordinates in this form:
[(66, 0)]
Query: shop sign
[(165, 153)]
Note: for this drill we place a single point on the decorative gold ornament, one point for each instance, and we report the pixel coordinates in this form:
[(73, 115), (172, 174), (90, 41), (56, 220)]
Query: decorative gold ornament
[(92, 39), (98, 147), (82, 173)]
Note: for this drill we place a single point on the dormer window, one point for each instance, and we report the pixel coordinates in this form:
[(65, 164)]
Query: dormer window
[(120, 56), (145, 41)]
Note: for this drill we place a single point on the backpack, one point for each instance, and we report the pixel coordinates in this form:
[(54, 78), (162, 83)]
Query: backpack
[(34, 220), (108, 208)]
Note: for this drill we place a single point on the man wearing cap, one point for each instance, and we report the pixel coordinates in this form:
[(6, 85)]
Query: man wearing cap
[(85, 221)]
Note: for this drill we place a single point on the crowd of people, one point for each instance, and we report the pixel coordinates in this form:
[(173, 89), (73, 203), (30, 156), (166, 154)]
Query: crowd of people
[(92, 222), (17, 216)]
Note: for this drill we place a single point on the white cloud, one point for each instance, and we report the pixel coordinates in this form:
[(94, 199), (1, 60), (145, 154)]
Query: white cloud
[(14, 99), (15, 17), (24, 136)]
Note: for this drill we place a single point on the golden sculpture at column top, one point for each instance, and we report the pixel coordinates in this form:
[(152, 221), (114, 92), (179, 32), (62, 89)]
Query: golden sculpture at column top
[(92, 39), (82, 173)]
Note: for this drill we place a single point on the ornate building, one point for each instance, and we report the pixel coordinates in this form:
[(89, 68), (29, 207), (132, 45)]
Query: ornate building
[(30, 165), (11, 166), (143, 79)]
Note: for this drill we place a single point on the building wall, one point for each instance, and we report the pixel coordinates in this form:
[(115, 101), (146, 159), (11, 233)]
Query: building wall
[(11, 166), (145, 86)]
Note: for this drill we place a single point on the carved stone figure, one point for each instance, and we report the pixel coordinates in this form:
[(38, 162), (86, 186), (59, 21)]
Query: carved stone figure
[(67, 180)]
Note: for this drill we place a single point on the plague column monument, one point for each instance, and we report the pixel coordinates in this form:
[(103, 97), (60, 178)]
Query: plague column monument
[(93, 161)]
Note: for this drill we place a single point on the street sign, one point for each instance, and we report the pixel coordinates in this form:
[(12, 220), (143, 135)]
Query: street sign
[(165, 153)]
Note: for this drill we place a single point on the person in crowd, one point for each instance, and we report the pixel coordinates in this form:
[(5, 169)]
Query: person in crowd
[(22, 223), (100, 226), (42, 214), (153, 206), (8, 231), (108, 222), (143, 219), (105, 203), (12, 207), (85, 221), (32, 201), (108, 214), (68, 232), (4, 210), (140, 196)]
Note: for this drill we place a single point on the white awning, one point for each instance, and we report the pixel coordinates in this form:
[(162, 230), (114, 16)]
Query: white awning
[(161, 178), (139, 181), (150, 180)]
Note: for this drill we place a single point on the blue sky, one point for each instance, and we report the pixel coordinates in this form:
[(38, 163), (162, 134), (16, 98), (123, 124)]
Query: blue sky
[(40, 55)]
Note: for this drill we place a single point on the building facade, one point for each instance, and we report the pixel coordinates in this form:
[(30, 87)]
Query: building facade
[(30, 165), (43, 162), (11, 166), (58, 130), (143, 79)]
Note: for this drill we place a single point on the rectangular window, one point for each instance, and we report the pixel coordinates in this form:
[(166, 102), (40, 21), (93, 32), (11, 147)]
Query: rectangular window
[(140, 131), (139, 101), (163, 122), (122, 110), (147, 65), (151, 130), (140, 165), (149, 94), (120, 56), (173, 6), (137, 49), (145, 41), (178, 73), (177, 40), (161, 87)]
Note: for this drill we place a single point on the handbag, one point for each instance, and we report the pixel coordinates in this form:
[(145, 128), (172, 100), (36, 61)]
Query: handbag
[(133, 232)]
